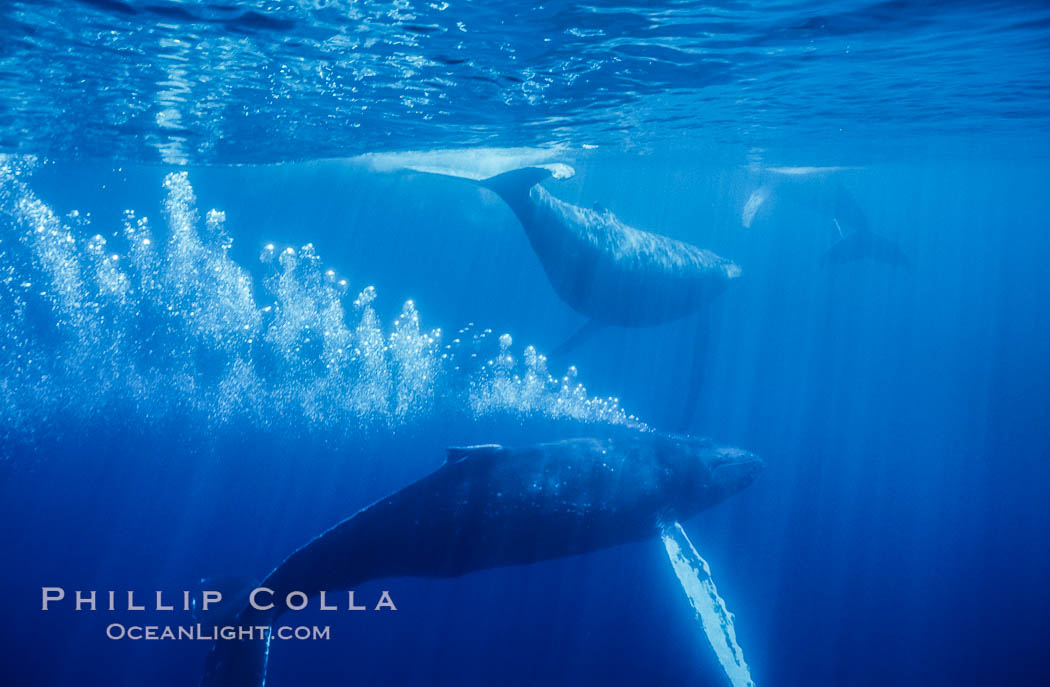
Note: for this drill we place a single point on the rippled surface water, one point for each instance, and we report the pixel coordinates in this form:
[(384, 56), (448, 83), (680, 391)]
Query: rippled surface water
[(299, 79)]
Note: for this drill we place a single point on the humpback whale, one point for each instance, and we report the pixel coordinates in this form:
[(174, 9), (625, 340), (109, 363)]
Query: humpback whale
[(604, 269), (491, 506), (611, 272), (855, 240)]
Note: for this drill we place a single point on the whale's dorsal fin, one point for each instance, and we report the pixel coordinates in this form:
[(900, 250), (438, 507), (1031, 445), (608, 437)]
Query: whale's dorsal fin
[(455, 454), (599, 208)]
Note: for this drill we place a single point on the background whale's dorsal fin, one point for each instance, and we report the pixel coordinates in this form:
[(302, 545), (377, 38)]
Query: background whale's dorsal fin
[(599, 208), (454, 454)]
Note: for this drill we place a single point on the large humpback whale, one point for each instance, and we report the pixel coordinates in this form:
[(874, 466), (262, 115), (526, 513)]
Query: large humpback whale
[(490, 506)]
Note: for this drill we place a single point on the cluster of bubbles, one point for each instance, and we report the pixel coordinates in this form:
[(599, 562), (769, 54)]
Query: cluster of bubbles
[(171, 329)]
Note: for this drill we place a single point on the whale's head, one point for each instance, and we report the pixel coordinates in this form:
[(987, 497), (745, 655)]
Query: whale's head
[(700, 473)]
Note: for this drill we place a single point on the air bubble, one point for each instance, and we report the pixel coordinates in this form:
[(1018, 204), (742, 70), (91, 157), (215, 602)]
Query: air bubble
[(173, 330)]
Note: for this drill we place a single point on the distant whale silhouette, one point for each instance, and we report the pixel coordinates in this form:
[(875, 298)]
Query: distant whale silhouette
[(490, 506), (861, 244), (854, 240)]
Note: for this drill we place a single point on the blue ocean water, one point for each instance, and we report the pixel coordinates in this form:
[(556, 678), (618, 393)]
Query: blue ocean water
[(231, 315)]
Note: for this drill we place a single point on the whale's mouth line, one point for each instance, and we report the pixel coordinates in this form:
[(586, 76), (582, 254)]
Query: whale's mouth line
[(738, 472)]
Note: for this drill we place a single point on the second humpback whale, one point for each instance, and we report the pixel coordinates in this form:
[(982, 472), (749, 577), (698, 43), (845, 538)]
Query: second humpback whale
[(606, 270), (490, 506), (613, 273)]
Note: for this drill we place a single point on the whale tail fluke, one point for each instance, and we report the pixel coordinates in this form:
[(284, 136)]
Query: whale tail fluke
[(513, 186)]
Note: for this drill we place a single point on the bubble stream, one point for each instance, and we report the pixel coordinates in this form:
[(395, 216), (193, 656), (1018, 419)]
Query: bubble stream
[(171, 327)]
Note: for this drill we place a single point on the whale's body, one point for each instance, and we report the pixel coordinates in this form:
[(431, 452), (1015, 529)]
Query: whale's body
[(605, 269), (613, 273), (491, 506)]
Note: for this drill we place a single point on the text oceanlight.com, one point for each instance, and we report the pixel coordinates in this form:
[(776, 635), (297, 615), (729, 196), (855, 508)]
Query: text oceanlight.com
[(118, 631)]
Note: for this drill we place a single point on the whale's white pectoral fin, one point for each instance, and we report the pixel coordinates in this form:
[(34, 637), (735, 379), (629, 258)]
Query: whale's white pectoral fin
[(754, 202), (717, 622)]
